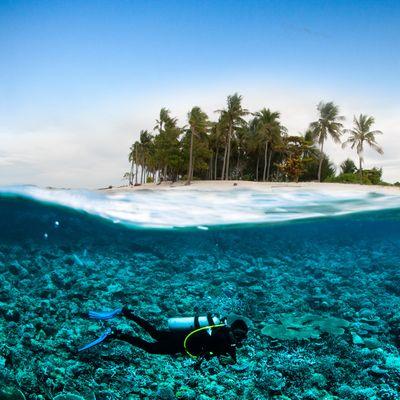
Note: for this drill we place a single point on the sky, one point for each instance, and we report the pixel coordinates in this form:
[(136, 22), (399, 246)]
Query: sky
[(80, 79)]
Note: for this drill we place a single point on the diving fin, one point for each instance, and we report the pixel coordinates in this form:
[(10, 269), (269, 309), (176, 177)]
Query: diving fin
[(104, 314), (97, 341)]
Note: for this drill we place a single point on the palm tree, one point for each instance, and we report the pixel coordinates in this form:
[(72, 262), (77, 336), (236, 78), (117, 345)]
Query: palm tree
[(131, 158), (144, 145), (198, 122), (254, 144), (360, 134), (242, 142), (215, 142), (328, 124), (348, 166), (166, 146), (136, 149), (269, 129), (164, 119), (276, 142), (164, 115), (127, 176), (223, 126), (233, 113)]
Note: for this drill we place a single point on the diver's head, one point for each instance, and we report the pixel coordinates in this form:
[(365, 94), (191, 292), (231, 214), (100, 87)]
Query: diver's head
[(239, 330)]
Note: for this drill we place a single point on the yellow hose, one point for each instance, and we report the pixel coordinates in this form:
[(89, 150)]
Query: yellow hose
[(198, 330)]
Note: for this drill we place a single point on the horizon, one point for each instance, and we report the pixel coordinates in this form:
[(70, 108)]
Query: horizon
[(82, 79)]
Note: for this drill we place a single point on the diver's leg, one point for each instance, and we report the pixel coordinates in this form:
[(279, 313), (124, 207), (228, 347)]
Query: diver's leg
[(104, 314), (150, 329), (127, 313), (102, 338), (153, 348), (148, 347)]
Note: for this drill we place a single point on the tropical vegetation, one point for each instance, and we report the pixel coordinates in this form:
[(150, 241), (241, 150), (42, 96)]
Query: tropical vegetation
[(362, 134), (244, 145)]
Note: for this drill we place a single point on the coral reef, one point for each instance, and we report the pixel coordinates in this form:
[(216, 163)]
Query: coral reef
[(307, 326), (333, 283)]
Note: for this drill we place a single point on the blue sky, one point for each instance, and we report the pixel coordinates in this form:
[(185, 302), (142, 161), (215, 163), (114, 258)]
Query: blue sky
[(79, 79)]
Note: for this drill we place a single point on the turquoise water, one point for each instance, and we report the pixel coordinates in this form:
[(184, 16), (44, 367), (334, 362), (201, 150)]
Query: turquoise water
[(318, 282)]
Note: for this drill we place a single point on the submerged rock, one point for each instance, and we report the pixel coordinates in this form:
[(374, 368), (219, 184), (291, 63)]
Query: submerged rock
[(68, 396), (393, 361), (11, 394), (357, 339), (165, 392)]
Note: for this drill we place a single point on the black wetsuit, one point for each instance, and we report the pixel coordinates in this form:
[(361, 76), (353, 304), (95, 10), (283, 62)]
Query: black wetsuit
[(202, 343)]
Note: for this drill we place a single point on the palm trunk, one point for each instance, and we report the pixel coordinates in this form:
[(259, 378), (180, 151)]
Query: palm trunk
[(361, 172), (216, 164), (258, 163), (321, 159), (229, 153), (269, 163), (144, 170), (131, 174), (190, 170), (265, 160), (224, 163), (136, 166)]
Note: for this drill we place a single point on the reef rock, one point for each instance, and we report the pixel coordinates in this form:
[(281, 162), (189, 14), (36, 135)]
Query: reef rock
[(308, 326)]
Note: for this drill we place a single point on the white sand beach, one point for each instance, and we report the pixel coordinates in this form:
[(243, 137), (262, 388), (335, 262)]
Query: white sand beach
[(262, 186)]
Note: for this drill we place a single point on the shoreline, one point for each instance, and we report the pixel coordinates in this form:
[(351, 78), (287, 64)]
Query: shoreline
[(260, 186)]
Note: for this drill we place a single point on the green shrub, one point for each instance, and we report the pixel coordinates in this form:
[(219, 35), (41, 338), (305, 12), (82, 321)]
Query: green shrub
[(348, 167), (369, 177), (374, 175), (349, 178), (311, 170)]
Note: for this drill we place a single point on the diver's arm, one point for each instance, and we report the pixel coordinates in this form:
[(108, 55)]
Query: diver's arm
[(232, 353), (198, 362), (228, 358)]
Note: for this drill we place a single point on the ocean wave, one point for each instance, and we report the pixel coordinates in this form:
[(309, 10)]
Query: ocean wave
[(202, 208)]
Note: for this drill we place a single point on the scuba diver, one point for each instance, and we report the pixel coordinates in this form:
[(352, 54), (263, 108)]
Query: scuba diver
[(200, 338)]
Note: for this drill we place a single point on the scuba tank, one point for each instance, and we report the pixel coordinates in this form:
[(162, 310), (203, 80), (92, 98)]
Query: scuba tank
[(188, 323)]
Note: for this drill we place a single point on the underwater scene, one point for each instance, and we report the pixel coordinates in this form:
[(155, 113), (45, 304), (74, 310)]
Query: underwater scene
[(317, 283)]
